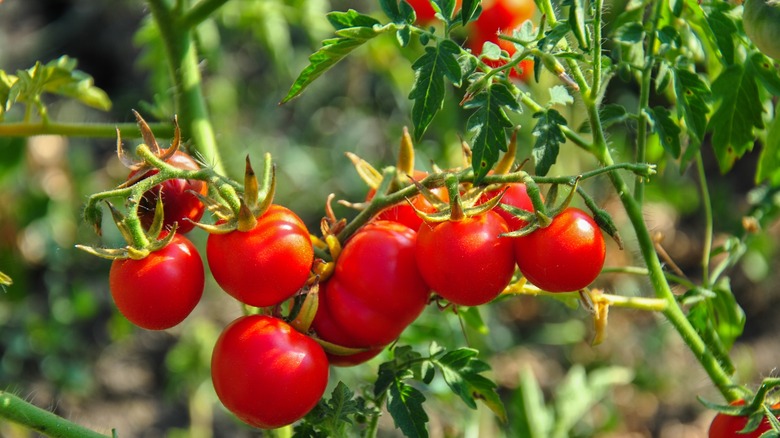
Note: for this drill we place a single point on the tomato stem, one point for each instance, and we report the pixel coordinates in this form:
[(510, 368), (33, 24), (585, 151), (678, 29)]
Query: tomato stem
[(16, 410)]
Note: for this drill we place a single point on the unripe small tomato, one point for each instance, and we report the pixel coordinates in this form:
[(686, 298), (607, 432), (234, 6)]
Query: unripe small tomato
[(762, 25)]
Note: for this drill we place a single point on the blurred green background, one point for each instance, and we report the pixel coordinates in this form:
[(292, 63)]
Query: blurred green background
[(64, 346)]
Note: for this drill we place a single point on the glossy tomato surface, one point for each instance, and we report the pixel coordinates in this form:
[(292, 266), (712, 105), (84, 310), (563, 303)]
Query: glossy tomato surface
[(266, 265), (266, 373), (565, 256), (375, 291), (516, 196), (405, 214), (466, 261), (159, 291), (729, 426), (179, 203), (501, 17)]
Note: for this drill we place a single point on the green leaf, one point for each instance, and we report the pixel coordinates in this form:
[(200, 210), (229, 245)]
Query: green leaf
[(559, 95), (342, 404), (395, 369), (738, 113), (552, 36), (630, 33), (692, 96), (428, 90), (472, 318), (549, 136), (667, 129), (468, 10), (391, 9), (766, 72), (334, 50), (719, 320), (530, 417), (488, 125), (723, 30), (405, 404), (461, 370), (769, 161), (577, 22)]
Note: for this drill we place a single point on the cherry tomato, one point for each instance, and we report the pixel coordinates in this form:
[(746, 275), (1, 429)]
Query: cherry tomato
[(405, 214), (266, 265), (565, 256), (501, 16), (516, 196), (762, 25), (424, 11), (728, 426), (466, 261), (375, 291), (159, 291), (266, 373), (179, 204)]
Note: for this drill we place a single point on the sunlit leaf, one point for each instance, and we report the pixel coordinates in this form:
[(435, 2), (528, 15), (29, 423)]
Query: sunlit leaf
[(693, 94), (405, 404), (549, 137), (667, 129), (436, 64), (489, 124)]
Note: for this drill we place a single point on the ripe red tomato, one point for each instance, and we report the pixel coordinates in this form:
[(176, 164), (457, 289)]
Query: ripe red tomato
[(375, 291), (466, 261), (424, 10), (516, 196), (159, 291), (266, 373), (405, 214), (501, 16), (728, 426), (178, 201), (266, 265), (566, 256)]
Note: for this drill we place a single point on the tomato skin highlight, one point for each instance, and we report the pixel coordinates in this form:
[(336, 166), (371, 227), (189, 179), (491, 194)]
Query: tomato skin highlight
[(566, 256), (179, 204), (266, 373), (466, 261), (266, 265), (161, 290), (728, 426), (376, 290)]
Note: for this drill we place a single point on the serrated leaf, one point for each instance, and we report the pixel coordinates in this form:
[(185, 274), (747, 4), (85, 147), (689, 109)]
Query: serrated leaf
[(767, 73), (393, 12), (692, 96), (552, 36), (488, 125), (723, 30), (405, 404), (559, 95), (430, 70), (351, 18), (445, 7), (549, 137), (468, 10), (667, 129), (738, 113), (334, 50), (395, 369), (341, 403), (461, 371)]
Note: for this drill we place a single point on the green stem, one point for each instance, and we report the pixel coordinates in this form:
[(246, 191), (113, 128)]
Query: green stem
[(708, 223), (14, 409), (200, 13), (182, 59), (92, 130), (373, 424), (636, 270)]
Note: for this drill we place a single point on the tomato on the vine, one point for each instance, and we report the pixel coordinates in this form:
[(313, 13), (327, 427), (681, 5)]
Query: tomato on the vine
[(762, 25), (405, 214), (266, 265), (375, 291), (729, 426), (515, 195), (424, 10), (501, 16), (267, 373), (160, 290), (465, 261), (565, 256), (179, 203)]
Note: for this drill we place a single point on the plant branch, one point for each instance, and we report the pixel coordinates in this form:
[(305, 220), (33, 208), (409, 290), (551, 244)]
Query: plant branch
[(14, 409), (200, 12), (708, 224), (92, 130)]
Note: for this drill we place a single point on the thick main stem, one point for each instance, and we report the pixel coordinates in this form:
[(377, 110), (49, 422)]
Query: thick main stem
[(14, 409)]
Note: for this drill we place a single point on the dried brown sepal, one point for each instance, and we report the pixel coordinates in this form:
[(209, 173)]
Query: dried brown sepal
[(366, 171), (147, 134), (220, 210), (600, 310), (507, 161), (307, 310), (157, 221), (251, 186), (142, 167)]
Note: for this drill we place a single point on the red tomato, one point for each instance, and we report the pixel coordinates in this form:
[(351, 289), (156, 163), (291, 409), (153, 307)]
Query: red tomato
[(424, 10), (266, 373), (566, 256), (466, 261), (178, 201), (501, 17), (516, 196), (266, 265), (159, 291), (375, 291), (403, 213), (728, 426)]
